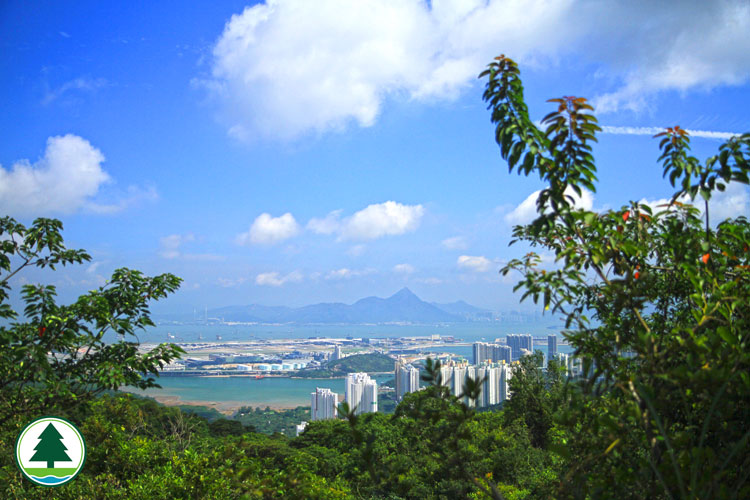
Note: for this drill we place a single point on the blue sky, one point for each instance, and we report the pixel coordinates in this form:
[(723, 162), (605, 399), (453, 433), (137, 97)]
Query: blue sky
[(293, 152)]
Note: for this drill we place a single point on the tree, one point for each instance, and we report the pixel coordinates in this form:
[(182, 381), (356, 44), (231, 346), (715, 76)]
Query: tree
[(50, 448), (55, 357), (656, 302)]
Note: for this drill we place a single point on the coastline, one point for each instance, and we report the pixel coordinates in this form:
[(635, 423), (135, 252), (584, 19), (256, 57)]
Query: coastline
[(227, 408)]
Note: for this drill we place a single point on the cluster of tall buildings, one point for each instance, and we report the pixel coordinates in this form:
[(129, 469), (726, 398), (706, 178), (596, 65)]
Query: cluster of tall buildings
[(361, 395), (491, 353), (519, 343), (495, 388), (407, 379)]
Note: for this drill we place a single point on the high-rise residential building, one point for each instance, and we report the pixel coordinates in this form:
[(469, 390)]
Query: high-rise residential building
[(323, 404), (551, 347), (491, 352), (336, 353), (520, 342), (494, 389), (361, 393), (407, 379), (506, 373)]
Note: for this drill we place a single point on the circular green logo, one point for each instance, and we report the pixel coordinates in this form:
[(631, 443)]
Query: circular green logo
[(50, 451)]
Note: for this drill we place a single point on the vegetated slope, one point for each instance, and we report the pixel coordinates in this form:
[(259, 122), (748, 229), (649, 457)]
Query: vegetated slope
[(374, 362)]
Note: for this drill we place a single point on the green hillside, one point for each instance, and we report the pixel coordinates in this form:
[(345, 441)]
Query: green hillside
[(374, 362)]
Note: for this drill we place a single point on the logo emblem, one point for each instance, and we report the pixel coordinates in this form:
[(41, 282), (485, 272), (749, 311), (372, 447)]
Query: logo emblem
[(50, 451)]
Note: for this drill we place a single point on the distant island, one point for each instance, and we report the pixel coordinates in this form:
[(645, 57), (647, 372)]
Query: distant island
[(402, 307)]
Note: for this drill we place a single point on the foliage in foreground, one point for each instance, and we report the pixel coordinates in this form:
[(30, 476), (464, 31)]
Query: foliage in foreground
[(656, 302), (56, 357)]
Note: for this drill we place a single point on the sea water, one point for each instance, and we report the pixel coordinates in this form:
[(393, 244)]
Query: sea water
[(291, 392), (247, 391)]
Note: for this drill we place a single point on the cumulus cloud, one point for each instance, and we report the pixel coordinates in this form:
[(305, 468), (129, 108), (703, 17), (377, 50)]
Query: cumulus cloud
[(64, 180), (372, 222), (288, 67), (276, 279), (733, 202), (525, 212), (267, 230), (455, 243), (479, 264), (403, 268)]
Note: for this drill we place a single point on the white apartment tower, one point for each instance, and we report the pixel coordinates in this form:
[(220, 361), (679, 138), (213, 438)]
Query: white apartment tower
[(323, 404), (361, 393), (336, 353), (407, 379)]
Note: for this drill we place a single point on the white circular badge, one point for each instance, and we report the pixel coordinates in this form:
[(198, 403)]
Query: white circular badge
[(50, 451)]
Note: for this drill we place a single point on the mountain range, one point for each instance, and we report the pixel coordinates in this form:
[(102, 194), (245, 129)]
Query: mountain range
[(403, 306)]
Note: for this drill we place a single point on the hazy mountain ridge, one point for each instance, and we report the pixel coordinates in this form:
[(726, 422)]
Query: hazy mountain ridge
[(403, 306)]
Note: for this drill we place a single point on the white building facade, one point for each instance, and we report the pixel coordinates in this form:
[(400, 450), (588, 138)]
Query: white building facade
[(323, 404), (361, 393), (407, 379)]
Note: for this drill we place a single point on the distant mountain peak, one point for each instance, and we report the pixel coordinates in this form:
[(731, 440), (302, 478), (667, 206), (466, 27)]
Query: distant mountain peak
[(404, 293)]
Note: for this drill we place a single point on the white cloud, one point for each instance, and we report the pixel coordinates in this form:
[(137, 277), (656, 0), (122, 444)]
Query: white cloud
[(356, 250), (276, 279), (289, 67), (372, 222), (479, 264), (525, 212), (267, 230), (346, 273), (382, 219), (64, 180), (403, 268), (170, 247), (93, 267), (733, 202), (705, 134), (455, 243), (431, 281), (327, 225), (133, 196), (230, 282), (78, 84)]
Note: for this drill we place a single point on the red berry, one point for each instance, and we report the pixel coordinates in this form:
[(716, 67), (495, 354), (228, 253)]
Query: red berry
[(705, 258)]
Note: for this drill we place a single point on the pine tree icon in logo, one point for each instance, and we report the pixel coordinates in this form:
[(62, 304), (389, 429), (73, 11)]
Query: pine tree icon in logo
[(50, 448), (52, 442)]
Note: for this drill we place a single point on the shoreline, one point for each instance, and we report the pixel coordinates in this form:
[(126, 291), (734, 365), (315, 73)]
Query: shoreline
[(227, 408)]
